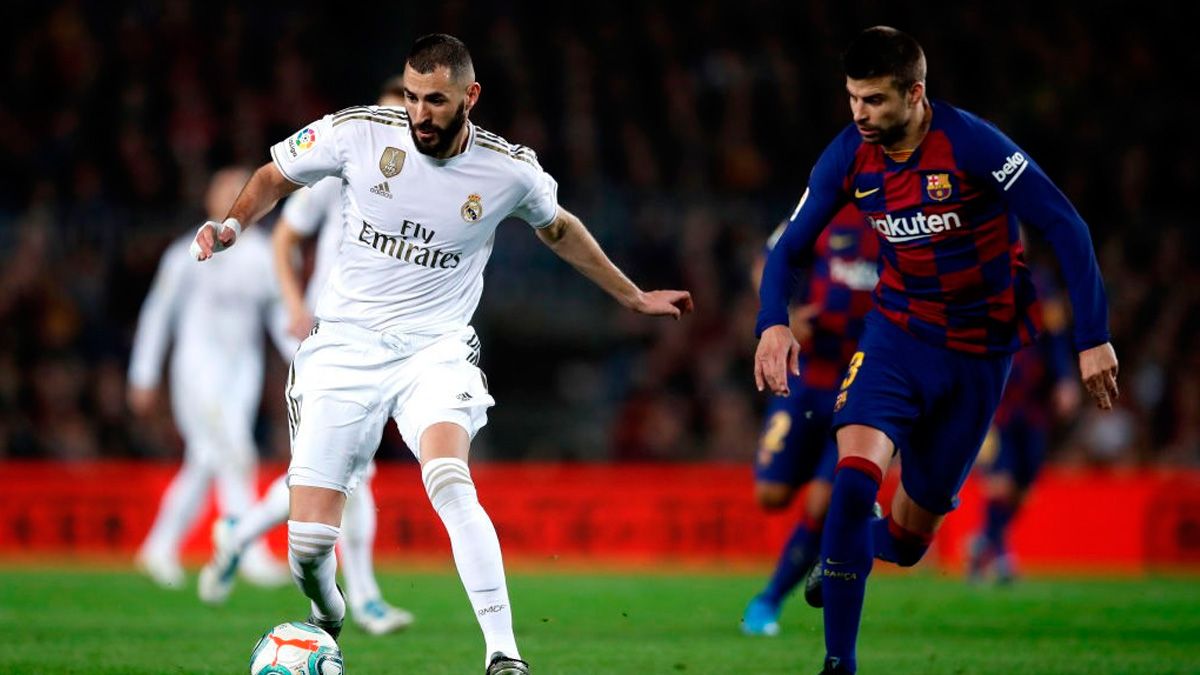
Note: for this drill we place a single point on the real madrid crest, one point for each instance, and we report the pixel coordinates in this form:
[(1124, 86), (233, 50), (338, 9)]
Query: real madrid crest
[(472, 209), (391, 161)]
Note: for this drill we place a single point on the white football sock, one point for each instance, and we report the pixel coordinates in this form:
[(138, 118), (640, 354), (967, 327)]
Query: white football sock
[(476, 549), (314, 566), (270, 511), (178, 511), (358, 536), (236, 471)]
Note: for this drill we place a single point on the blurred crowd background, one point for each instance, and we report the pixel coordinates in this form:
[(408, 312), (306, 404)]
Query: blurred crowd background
[(681, 134)]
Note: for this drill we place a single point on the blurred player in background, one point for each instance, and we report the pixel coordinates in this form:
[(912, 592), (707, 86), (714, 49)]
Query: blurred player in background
[(944, 191), (215, 317), (424, 191), (311, 211), (797, 447), (1041, 387)]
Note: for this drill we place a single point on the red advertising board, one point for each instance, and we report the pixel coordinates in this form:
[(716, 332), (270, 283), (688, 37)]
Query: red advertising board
[(612, 513)]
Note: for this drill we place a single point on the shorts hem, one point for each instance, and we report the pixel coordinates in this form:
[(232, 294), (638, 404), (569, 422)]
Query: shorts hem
[(300, 479)]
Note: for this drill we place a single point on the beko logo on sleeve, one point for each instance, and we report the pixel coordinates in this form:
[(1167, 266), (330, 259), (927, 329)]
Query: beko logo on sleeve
[(1014, 166)]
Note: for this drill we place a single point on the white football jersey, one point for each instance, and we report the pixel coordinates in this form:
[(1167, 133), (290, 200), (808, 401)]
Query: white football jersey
[(418, 230), (318, 209), (215, 313)]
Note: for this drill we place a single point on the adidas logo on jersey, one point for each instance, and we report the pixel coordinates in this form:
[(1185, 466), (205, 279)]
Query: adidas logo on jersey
[(382, 190), (465, 396)]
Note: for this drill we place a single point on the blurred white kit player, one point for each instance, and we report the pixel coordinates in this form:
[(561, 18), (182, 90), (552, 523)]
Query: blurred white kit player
[(308, 212), (423, 190), (215, 317)]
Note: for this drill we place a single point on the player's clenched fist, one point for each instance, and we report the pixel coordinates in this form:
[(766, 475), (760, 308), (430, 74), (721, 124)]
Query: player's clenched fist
[(778, 353), (214, 237)]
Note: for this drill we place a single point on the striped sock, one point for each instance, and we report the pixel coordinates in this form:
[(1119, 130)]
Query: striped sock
[(314, 567), (476, 549)]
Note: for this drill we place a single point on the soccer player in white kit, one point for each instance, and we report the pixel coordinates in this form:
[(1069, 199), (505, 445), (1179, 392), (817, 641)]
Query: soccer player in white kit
[(308, 212), (215, 317), (424, 190)]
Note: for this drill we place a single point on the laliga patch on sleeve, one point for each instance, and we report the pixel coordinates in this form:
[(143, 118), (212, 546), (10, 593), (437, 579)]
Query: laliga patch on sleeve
[(301, 143)]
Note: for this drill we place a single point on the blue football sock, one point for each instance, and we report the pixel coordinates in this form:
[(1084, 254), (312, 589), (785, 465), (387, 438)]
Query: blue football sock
[(798, 555), (885, 545), (847, 554), (999, 515), (895, 544)]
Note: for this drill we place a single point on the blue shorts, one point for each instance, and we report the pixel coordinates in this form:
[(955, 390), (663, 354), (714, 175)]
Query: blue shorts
[(1022, 452), (935, 404), (796, 445)]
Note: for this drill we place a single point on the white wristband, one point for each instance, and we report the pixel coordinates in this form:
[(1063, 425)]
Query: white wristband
[(233, 224), (218, 246)]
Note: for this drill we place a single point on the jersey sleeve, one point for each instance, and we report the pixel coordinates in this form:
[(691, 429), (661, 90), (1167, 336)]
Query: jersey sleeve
[(540, 205), (310, 154), (305, 209), (1039, 204), (794, 247), (157, 318)]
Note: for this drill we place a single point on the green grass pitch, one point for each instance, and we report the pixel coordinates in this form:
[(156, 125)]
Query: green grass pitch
[(66, 620)]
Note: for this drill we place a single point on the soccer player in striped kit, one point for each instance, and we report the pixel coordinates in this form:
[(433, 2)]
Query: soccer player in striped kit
[(944, 191), (425, 190), (796, 448)]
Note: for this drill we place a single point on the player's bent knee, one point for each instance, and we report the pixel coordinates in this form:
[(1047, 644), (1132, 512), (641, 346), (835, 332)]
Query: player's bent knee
[(316, 505), (773, 496)]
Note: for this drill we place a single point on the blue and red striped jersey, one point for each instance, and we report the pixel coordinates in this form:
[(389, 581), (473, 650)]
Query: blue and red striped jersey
[(952, 269), (844, 273)]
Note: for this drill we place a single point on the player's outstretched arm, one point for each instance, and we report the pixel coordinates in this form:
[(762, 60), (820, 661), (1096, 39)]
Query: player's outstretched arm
[(570, 240), (259, 195), (1098, 368)]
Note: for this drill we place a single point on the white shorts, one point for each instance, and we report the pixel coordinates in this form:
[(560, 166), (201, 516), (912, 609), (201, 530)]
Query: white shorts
[(346, 382)]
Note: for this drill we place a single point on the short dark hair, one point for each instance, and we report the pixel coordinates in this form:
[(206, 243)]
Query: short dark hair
[(881, 51), (393, 86), (433, 51)]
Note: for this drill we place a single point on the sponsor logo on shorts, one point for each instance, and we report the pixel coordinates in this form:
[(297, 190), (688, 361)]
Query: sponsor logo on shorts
[(465, 396)]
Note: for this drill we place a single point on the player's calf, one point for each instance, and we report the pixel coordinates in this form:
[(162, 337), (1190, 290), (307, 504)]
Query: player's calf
[(476, 549), (314, 567), (897, 544)]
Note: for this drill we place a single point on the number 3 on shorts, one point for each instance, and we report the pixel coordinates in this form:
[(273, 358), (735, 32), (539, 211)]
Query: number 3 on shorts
[(851, 373), (856, 362)]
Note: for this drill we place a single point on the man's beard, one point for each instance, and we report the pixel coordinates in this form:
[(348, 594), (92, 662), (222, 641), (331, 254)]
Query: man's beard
[(891, 135), (443, 136)]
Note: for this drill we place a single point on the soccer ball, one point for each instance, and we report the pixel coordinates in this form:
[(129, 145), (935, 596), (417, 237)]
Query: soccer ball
[(296, 648)]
